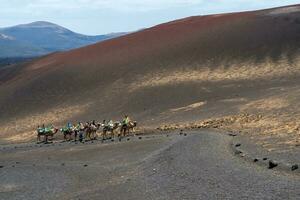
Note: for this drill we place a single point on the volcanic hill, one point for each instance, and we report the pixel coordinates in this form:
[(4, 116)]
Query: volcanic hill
[(239, 70)]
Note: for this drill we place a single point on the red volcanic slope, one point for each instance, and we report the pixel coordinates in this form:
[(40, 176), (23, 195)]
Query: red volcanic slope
[(98, 79)]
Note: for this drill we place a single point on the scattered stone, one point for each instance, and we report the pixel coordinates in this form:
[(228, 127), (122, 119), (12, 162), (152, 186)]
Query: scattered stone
[(17, 162), (237, 152), (112, 140), (128, 139), (13, 166), (294, 167), (167, 135), (85, 165), (140, 138), (181, 132), (265, 158), (272, 164), (1, 166), (185, 134), (255, 160), (62, 164), (238, 145)]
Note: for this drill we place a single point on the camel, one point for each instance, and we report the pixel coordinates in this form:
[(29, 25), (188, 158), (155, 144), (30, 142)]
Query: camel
[(111, 129), (48, 133), (132, 125), (126, 128), (91, 131), (67, 133)]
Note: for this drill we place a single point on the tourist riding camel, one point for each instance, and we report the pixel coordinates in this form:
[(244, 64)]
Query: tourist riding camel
[(47, 132), (67, 131), (110, 126), (91, 130), (88, 131), (127, 125)]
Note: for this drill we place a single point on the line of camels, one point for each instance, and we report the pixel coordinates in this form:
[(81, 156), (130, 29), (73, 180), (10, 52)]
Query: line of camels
[(87, 131)]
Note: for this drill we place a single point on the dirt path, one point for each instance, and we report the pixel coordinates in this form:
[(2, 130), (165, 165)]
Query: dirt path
[(197, 166)]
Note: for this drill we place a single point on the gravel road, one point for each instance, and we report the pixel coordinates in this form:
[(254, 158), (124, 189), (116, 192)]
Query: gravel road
[(200, 165)]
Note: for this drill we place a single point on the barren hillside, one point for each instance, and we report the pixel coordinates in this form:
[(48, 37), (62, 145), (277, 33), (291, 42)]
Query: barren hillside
[(194, 69)]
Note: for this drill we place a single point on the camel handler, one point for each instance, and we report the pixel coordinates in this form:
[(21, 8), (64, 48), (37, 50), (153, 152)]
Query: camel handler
[(80, 128)]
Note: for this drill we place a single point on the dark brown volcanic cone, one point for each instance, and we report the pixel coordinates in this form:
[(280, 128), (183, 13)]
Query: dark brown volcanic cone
[(184, 70)]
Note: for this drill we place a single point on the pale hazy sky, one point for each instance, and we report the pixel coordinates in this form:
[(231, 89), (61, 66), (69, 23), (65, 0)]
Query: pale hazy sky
[(105, 16)]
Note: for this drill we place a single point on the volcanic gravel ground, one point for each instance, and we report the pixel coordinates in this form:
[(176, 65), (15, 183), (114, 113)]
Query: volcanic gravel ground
[(197, 166)]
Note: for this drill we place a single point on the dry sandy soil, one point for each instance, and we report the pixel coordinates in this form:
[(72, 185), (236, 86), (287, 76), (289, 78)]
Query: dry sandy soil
[(200, 165), (237, 71)]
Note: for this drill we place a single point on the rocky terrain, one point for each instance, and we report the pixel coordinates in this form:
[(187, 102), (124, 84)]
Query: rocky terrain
[(194, 165)]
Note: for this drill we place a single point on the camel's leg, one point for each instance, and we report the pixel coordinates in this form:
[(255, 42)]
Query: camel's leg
[(103, 135), (86, 135), (124, 132), (75, 135), (120, 133), (112, 135), (93, 135)]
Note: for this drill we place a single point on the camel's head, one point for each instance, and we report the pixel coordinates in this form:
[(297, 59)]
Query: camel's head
[(133, 123)]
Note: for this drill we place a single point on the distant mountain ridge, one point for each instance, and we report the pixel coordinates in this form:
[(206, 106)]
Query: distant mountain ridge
[(40, 38)]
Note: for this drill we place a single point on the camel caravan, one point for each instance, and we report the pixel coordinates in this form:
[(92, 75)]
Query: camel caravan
[(88, 131)]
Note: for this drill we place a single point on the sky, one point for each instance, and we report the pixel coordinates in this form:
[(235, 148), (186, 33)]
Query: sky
[(94, 17)]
